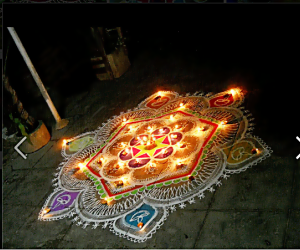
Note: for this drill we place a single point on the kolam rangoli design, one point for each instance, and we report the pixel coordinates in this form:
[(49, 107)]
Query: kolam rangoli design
[(134, 170)]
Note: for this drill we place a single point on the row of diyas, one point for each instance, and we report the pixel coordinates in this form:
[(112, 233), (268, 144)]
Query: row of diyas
[(160, 94)]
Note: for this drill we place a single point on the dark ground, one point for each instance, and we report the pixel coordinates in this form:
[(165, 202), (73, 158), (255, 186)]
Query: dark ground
[(259, 208)]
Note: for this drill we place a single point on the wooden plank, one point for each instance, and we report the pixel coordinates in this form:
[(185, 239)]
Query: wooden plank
[(103, 77), (97, 35), (97, 66), (96, 59), (119, 62)]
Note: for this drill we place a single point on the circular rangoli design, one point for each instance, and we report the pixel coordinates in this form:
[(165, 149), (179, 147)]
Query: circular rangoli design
[(134, 170)]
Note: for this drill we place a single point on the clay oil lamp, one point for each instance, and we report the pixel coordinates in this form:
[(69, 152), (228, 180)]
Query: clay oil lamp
[(65, 142), (164, 151), (150, 145), (111, 202), (119, 183), (124, 121), (100, 161), (152, 167), (137, 163), (223, 123), (46, 210), (157, 98), (81, 166), (126, 151), (181, 145), (178, 126), (191, 178), (173, 136), (179, 165), (104, 201), (149, 129), (254, 151), (226, 96), (140, 225), (201, 129), (120, 165), (182, 104)]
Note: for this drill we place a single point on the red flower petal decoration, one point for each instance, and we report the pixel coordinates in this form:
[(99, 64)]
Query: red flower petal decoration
[(137, 164), (165, 153)]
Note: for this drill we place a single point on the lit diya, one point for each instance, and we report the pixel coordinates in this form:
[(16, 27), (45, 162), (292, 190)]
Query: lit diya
[(119, 183), (182, 156), (227, 96), (178, 126), (150, 145), (254, 151)]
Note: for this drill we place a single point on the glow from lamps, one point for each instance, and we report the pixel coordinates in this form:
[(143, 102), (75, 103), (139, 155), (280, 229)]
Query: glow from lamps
[(223, 123), (81, 166), (46, 210)]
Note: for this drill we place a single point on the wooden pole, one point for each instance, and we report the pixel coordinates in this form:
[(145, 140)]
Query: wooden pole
[(24, 115), (60, 123)]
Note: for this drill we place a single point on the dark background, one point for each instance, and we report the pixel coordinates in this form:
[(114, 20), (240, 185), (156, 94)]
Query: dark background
[(185, 48), (247, 47)]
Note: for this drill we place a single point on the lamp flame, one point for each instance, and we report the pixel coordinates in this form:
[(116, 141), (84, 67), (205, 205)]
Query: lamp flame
[(81, 166), (46, 210)]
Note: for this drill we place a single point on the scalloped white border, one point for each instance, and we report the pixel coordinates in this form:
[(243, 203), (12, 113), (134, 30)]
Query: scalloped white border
[(171, 207)]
